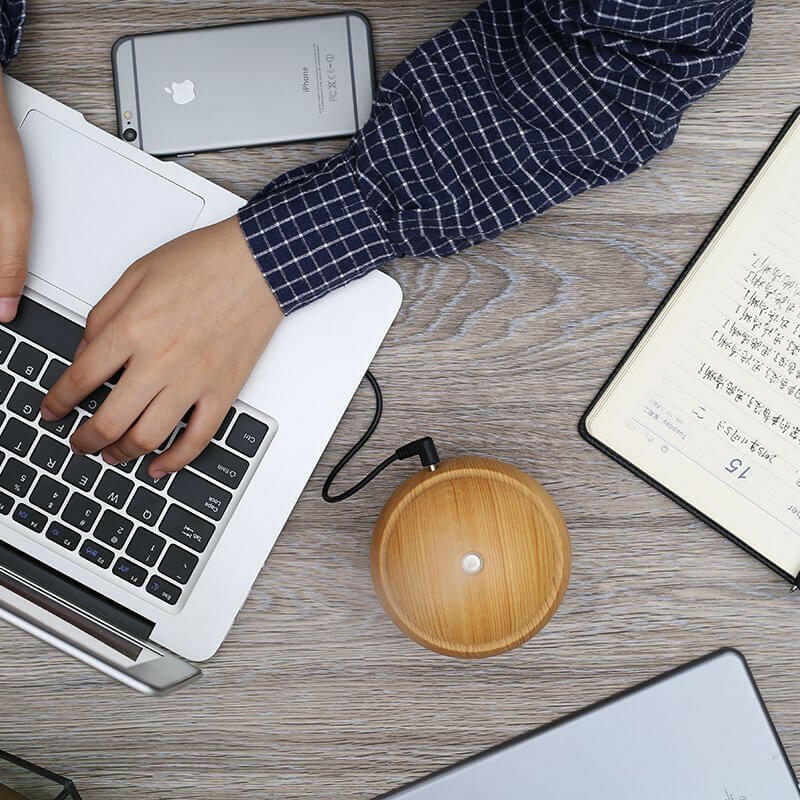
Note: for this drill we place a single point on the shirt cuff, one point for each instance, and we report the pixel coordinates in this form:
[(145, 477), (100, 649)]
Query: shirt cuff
[(12, 19), (311, 232)]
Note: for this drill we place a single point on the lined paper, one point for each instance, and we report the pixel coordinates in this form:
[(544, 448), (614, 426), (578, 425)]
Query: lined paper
[(709, 402)]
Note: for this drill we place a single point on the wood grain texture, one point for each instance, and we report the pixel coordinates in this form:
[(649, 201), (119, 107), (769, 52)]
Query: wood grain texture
[(497, 351), (493, 512)]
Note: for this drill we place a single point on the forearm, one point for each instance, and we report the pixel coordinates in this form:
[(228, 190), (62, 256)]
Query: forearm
[(15, 212), (15, 199), (515, 108)]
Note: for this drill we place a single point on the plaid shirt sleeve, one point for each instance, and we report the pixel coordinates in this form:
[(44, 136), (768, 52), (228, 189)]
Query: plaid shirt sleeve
[(12, 17), (517, 107)]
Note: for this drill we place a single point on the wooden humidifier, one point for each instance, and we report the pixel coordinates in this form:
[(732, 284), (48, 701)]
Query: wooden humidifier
[(471, 558)]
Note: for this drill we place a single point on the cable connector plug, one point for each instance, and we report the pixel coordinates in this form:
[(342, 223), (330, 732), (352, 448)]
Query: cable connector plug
[(424, 448)]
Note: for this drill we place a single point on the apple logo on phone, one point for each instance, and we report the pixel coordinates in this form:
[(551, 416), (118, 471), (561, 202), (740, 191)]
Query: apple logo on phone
[(182, 93)]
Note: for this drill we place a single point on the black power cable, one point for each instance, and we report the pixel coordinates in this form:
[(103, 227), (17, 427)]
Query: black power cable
[(423, 448)]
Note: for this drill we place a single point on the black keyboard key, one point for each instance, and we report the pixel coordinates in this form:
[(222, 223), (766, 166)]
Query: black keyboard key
[(96, 553), (47, 328), (178, 564), (17, 477), (31, 519), (82, 472), (145, 547), (113, 529), (113, 489), (246, 435), (186, 528), (81, 512), (94, 400), (6, 503), (49, 495), (163, 590), (199, 494), (142, 475), (221, 464), (55, 369), (129, 571), (49, 454), (126, 466), (27, 361), (6, 382), (17, 437), (61, 534), (224, 424), (25, 401), (146, 506), (6, 343), (60, 427)]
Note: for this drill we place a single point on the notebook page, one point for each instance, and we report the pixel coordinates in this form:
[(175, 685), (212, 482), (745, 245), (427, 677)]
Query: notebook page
[(709, 402)]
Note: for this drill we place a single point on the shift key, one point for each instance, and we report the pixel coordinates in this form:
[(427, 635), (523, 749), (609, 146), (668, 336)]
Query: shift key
[(199, 494)]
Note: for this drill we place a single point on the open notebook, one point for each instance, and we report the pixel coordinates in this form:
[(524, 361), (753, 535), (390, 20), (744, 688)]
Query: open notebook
[(706, 404)]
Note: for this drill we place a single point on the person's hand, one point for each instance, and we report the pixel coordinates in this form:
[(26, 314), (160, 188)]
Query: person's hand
[(16, 209), (188, 322)]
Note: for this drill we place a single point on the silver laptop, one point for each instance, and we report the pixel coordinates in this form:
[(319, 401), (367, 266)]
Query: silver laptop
[(132, 576), (698, 733)]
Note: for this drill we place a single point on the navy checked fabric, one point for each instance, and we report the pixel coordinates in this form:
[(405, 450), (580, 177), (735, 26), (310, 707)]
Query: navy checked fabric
[(517, 107), (12, 17)]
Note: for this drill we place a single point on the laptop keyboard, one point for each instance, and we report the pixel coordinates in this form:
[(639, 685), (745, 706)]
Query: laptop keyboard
[(150, 537)]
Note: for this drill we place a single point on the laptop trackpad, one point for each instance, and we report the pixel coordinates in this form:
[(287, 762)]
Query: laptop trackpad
[(95, 210)]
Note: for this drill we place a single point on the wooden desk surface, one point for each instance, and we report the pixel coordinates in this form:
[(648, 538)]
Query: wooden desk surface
[(496, 351)]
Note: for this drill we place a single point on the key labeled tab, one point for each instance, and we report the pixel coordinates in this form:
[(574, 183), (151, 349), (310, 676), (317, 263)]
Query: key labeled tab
[(187, 528)]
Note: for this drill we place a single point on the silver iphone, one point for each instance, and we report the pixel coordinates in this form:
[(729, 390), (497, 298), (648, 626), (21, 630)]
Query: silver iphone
[(286, 80)]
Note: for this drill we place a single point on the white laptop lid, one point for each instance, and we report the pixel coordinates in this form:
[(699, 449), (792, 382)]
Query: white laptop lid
[(701, 733)]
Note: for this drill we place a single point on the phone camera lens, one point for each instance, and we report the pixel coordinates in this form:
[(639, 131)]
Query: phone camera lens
[(129, 135)]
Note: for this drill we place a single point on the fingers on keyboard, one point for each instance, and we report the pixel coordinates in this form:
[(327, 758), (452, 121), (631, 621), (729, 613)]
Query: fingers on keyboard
[(151, 535)]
